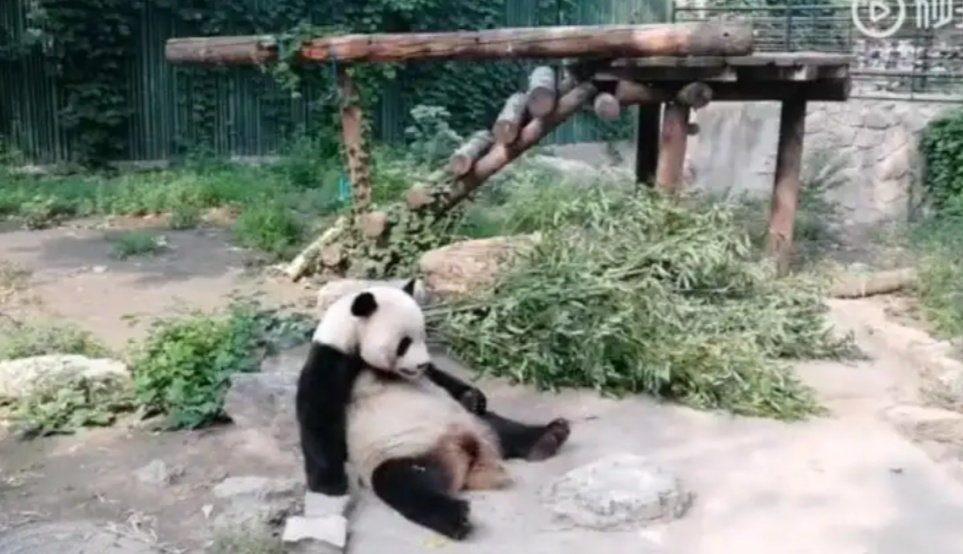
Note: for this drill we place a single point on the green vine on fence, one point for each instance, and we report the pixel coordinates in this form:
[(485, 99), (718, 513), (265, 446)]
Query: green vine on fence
[(95, 49)]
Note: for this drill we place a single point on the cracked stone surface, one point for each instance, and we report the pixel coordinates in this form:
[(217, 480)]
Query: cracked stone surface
[(618, 492), (70, 537)]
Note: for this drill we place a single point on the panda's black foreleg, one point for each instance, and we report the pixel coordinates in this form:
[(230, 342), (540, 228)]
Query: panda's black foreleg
[(469, 396), (418, 489), (532, 442), (321, 408), (325, 455)]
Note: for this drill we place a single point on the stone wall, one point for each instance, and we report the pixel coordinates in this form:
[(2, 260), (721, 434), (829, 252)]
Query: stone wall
[(874, 143), (870, 145)]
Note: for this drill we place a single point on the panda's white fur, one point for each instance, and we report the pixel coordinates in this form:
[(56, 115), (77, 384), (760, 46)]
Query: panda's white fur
[(409, 417)]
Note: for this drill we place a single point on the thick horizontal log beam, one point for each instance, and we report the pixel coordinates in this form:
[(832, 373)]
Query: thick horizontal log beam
[(241, 50), (664, 39), (835, 90)]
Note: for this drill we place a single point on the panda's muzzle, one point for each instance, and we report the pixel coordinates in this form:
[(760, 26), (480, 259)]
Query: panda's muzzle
[(420, 369)]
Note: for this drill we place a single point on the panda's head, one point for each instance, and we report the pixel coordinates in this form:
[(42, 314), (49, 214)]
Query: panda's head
[(384, 325)]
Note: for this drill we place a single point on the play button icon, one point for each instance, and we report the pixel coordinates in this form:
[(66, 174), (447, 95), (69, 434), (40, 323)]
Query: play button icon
[(878, 18), (878, 11)]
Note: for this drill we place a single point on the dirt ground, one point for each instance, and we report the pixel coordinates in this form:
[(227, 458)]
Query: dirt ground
[(91, 475)]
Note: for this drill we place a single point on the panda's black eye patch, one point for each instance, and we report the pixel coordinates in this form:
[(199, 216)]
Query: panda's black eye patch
[(404, 345)]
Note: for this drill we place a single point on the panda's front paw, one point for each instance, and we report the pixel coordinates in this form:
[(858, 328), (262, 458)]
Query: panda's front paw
[(474, 401), (453, 519)]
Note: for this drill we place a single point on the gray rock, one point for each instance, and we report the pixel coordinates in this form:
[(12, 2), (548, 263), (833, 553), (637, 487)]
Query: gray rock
[(264, 401), (619, 492), (22, 376), (70, 537), (336, 288), (315, 535), (253, 501), (158, 473)]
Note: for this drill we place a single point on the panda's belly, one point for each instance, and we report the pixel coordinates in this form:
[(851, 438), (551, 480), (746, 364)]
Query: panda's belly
[(389, 420)]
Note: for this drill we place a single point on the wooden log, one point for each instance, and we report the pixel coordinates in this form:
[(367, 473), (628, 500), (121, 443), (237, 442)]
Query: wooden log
[(647, 143), (880, 282), (672, 143), (785, 191), (352, 131), (418, 197), (241, 50), (300, 266), (606, 106), (727, 38), (463, 158), (695, 95), (541, 91), (501, 155), (834, 90), (510, 119), (373, 224)]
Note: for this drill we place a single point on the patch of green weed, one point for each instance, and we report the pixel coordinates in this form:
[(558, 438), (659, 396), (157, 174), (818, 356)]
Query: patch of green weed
[(27, 339), (60, 406), (271, 228), (136, 243)]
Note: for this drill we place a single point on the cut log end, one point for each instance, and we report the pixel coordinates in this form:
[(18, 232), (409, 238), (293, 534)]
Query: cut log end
[(373, 224), (695, 95), (510, 119), (464, 158), (607, 106), (541, 91), (418, 197)]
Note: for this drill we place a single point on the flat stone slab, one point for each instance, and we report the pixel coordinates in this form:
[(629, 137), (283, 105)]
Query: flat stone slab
[(69, 537), (619, 492)]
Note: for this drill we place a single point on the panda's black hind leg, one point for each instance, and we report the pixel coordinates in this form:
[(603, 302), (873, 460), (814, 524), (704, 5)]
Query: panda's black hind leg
[(532, 442), (418, 489)]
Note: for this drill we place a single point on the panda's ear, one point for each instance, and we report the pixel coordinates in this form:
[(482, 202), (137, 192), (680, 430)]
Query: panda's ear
[(409, 287), (364, 305)]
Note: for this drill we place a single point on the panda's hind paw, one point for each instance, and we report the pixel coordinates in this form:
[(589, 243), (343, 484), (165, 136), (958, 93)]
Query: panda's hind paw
[(452, 519), (554, 435), (474, 401)]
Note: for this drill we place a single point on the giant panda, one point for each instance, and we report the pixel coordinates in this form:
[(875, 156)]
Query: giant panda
[(369, 394)]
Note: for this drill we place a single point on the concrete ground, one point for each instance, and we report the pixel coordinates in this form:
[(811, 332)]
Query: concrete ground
[(845, 484)]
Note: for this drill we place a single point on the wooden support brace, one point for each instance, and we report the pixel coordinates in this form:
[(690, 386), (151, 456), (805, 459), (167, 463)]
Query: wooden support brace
[(647, 143), (352, 129), (535, 130), (672, 143), (785, 191)]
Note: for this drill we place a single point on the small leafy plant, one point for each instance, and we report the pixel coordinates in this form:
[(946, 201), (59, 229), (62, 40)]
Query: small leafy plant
[(136, 243), (62, 406), (184, 367)]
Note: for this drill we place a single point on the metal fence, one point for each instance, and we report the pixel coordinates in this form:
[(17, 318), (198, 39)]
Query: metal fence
[(918, 61), (247, 124)]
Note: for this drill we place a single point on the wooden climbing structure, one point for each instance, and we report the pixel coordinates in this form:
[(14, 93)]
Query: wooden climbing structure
[(667, 70)]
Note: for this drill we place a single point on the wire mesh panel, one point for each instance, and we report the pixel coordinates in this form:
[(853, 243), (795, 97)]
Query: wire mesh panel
[(917, 60)]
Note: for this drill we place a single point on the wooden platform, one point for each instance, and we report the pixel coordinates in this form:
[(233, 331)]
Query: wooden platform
[(657, 86)]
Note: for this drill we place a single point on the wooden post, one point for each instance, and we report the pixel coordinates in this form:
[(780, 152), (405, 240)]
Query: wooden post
[(647, 143), (785, 190), (675, 131), (352, 132)]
